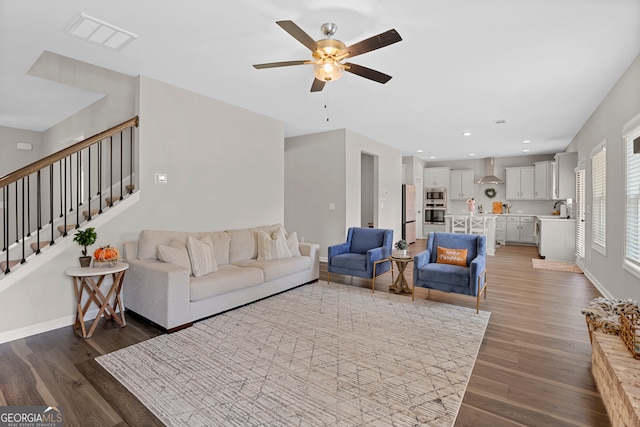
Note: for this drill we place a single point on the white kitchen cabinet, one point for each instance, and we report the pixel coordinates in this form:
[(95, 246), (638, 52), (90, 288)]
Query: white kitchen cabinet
[(501, 229), (462, 184), (520, 229), (558, 239), (520, 183), (543, 180), (436, 177), (564, 178)]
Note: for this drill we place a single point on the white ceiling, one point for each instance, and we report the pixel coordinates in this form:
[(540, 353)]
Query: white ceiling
[(543, 66)]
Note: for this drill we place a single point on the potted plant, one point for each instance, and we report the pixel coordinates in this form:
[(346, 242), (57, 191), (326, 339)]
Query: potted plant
[(401, 247), (85, 238)]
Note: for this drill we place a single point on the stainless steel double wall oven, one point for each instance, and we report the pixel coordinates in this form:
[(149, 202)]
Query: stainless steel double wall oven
[(435, 205)]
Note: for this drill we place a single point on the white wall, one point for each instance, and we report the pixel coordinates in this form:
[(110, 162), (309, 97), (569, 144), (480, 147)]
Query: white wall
[(225, 170), (325, 168), (619, 106), (11, 158)]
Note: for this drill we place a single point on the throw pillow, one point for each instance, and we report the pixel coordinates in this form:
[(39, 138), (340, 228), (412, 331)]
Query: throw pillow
[(177, 256), (292, 244), (272, 246), (452, 256), (201, 256)]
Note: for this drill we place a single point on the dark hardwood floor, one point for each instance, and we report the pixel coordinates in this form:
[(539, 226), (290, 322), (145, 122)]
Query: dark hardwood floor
[(533, 368)]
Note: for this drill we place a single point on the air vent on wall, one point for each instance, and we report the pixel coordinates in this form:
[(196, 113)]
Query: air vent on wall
[(99, 32)]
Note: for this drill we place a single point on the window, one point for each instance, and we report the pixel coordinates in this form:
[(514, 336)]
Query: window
[(580, 211), (631, 132), (599, 198)]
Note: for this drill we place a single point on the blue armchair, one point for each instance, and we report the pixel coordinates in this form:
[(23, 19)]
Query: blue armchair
[(365, 254), (470, 279)]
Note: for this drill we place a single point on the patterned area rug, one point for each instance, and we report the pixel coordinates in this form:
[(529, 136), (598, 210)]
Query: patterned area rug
[(555, 265), (317, 355)]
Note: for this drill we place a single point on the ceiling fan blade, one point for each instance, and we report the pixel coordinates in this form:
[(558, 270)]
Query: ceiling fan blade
[(298, 34), (317, 85), (372, 43), (280, 64), (367, 73)]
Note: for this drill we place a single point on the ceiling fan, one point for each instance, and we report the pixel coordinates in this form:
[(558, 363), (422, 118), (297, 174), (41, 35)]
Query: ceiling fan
[(329, 53)]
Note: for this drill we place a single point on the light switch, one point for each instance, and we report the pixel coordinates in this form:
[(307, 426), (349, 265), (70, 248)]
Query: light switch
[(161, 178)]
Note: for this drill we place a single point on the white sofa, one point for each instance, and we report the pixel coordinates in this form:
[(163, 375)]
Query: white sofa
[(168, 293)]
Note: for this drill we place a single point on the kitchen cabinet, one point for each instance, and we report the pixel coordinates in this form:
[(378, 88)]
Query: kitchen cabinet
[(564, 178), (520, 183), (557, 239), (501, 229), (436, 177), (520, 229), (462, 184), (543, 188)]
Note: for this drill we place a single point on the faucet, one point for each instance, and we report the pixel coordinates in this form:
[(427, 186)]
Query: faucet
[(562, 203)]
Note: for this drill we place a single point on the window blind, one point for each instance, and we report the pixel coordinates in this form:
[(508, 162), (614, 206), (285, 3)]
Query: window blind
[(580, 212), (599, 198), (632, 203)]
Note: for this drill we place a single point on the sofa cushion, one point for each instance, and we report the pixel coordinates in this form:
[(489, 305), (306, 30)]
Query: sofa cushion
[(201, 256), (351, 261), (445, 273), (228, 278), (272, 246), (151, 239), (243, 245), (452, 256), (292, 244), (221, 240), (177, 256), (364, 239), (275, 269)]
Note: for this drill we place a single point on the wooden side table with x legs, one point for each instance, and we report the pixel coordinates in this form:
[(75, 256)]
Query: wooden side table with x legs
[(401, 284), (83, 279)]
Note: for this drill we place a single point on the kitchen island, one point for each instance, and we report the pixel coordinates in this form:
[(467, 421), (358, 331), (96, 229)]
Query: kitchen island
[(556, 238), (482, 224)]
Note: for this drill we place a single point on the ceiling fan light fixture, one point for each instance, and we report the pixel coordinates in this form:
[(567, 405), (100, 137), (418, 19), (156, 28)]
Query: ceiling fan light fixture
[(328, 70)]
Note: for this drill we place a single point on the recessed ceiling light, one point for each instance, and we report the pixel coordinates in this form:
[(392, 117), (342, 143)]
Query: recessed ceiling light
[(526, 141), (96, 31), (466, 133), (420, 151), (526, 150), (472, 154), (432, 157)]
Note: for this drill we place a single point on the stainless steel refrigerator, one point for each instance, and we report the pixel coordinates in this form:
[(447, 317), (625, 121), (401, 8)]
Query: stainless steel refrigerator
[(409, 213)]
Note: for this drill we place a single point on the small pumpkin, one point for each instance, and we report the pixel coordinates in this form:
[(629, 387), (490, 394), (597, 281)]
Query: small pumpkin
[(106, 253)]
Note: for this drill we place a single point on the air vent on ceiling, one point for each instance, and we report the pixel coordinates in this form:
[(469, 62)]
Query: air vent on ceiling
[(499, 122), (99, 32)]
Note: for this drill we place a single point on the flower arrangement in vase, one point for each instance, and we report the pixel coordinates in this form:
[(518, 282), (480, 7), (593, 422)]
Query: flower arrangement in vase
[(471, 205)]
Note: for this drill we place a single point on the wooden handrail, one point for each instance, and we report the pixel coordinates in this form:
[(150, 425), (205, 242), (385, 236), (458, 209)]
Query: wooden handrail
[(59, 155)]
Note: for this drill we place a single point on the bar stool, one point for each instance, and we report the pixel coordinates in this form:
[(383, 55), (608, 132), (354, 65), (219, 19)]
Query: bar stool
[(459, 224), (478, 225)]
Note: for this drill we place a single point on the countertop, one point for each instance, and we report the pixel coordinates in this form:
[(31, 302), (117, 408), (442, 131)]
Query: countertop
[(539, 216)]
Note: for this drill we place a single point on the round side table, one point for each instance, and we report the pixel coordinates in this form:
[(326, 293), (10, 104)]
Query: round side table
[(83, 279)]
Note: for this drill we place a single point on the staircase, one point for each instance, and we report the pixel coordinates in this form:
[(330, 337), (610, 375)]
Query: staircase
[(43, 203)]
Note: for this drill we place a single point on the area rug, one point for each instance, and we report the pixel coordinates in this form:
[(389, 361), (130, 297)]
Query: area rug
[(317, 355), (556, 265)]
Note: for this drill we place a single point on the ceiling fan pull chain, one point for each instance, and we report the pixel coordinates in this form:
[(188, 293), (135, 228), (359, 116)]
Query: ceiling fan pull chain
[(326, 103)]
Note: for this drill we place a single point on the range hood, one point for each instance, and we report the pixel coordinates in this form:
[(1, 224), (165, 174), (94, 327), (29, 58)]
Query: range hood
[(490, 177)]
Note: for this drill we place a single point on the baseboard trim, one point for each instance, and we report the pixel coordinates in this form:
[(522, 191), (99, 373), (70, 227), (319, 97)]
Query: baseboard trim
[(38, 328)]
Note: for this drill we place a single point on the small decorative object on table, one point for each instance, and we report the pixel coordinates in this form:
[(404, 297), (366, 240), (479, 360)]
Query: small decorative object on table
[(471, 205), (85, 238), (401, 247), (106, 255)]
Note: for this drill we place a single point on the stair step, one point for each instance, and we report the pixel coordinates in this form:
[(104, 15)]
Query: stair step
[(69, 228), (34, 245), (94, 212), (12, 263)]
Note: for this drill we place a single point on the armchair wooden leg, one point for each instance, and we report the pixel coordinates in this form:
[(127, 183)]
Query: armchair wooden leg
[(328, 277), (481, 290)]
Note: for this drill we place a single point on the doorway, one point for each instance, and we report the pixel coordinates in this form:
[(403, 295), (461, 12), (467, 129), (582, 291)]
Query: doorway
[(368, 190)]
